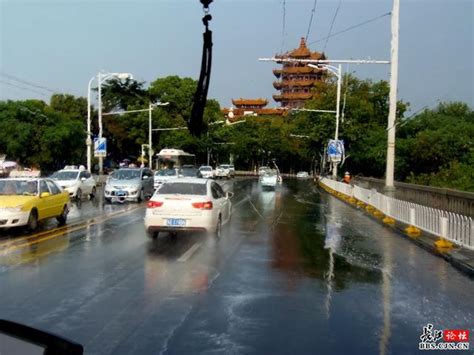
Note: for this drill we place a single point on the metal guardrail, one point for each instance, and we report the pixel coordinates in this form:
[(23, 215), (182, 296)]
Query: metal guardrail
[(454, 227), (456, 201)]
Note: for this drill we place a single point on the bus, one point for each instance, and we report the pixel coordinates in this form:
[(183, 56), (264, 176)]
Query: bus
[(174, 158)]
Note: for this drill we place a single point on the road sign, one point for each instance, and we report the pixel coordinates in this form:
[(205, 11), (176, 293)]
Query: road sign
[(100, 147)]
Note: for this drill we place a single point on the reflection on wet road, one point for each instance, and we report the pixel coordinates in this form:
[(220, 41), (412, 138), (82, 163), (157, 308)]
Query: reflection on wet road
[(295, 272)]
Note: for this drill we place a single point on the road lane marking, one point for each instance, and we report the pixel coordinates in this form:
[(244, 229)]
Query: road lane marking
[(255, 208), (65, 228), (189, 253), (234, 205), (69, 229)]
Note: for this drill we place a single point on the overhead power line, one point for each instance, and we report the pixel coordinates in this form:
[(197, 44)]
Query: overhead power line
[(353, 27), (22, 88), (311, 19), (332, 24), (15, 78)]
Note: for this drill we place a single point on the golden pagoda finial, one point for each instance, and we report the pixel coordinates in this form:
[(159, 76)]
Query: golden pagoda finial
[(302, 43)]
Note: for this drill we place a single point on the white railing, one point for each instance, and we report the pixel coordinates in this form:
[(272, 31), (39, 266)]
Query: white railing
[(454, 227)]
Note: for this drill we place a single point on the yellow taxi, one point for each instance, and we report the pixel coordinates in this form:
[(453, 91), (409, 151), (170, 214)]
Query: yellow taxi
[(26, 201)]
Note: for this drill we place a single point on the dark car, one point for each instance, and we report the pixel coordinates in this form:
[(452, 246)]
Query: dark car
[(189, 171)]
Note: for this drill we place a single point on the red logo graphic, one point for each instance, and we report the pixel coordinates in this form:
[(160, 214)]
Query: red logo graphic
[(456, 335)]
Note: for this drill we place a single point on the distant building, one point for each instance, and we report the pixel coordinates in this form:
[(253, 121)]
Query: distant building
[(297, 79), (251, 107)]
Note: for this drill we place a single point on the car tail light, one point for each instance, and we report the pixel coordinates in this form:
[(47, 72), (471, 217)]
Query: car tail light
[(154, 204), (206, 205)]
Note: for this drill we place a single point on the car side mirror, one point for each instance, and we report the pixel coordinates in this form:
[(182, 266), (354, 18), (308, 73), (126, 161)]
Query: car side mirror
[(44, 194), (229, 194), (145, 177), (16, 338)]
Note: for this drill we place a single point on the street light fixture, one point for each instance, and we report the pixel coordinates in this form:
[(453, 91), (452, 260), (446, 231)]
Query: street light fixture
[(101, 77), (150, 108)]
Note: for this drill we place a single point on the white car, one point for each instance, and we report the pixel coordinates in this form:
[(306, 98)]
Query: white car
[(206, 172), (190, 204), (302, 175), (77, 181), (262, 170), (163, 175), (223, 171), (270, 179)]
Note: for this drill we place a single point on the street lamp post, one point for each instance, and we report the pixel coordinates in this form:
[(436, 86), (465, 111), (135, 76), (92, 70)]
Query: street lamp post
[(390, 168), (337, 72), (150, 108), (150, 129), (89, 137), (102, 77)]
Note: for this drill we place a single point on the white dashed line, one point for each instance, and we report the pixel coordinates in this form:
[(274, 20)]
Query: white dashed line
[(189, 253)]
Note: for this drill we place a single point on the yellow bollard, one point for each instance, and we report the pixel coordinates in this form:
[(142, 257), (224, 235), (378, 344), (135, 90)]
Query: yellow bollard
[(412, 231), (370, 208), (388, 220), (443, 244), (378, 214)]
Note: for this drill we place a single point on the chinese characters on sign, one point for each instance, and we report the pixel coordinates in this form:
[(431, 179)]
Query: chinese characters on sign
[(452, 339)]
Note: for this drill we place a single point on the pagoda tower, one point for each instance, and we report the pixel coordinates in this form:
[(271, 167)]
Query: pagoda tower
[(297, 79)]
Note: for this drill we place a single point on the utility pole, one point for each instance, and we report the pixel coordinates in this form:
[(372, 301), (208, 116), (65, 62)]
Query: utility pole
[(390, 170), (338, 99), (150, 150)]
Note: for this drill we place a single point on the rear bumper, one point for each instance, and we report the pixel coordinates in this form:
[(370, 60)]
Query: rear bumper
[(158, 223), (153, 229)]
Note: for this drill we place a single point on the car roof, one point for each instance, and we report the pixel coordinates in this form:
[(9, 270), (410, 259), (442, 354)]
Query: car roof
[(25, 178), (188, 180)]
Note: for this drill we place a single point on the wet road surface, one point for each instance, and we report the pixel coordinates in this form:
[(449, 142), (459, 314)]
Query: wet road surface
[(296, 272)]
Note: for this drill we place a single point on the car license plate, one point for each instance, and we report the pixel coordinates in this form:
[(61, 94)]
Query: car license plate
[(121, 193), (176, 222)]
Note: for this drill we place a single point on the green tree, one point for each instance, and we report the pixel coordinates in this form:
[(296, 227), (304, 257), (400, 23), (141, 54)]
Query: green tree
[(75, 107)]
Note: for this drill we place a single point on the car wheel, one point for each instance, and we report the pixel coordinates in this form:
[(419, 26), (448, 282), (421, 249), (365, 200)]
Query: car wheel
[(33, 220), (63, 217), (153, 235), (92, 194), (78, 194), (141, 197), (218, 232)]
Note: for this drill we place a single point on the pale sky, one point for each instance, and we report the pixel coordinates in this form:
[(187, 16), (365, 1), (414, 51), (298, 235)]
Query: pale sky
[(59, 45)]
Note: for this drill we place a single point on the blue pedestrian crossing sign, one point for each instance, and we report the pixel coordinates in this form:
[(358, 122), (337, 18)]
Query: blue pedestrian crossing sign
[(100, 147)]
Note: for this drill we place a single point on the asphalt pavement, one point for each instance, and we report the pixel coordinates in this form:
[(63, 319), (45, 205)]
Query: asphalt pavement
[(296, 272)]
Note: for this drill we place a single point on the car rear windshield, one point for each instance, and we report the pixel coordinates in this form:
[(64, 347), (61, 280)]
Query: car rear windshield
[(189, 172), (205, 168), (65, 175), (126, 174), (166, 172), (182, 189)]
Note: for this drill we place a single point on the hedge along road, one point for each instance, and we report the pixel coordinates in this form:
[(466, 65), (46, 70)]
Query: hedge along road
[(296, 271)]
